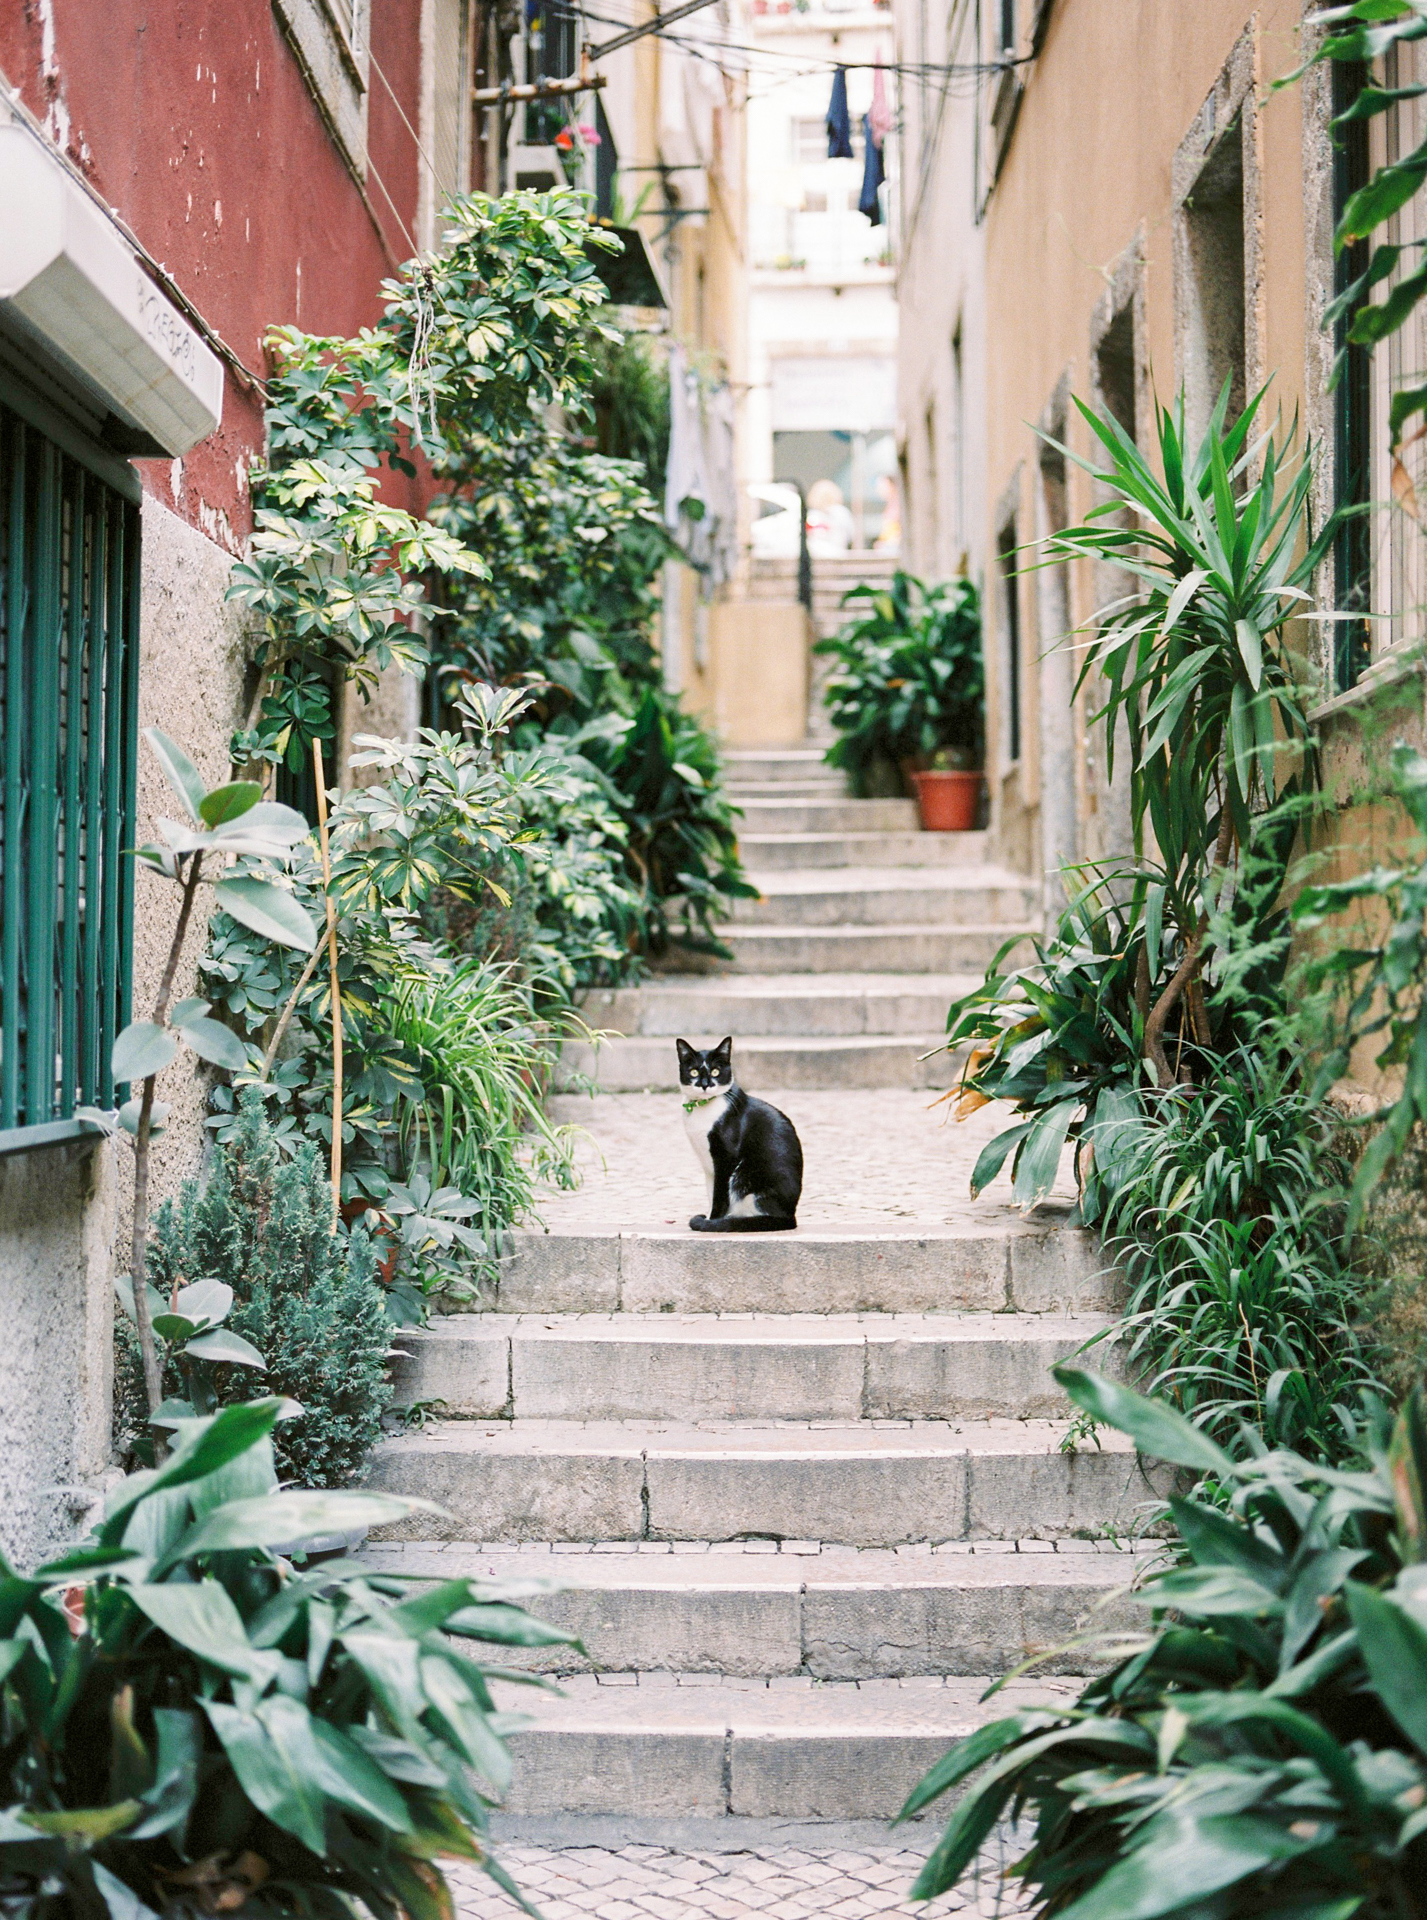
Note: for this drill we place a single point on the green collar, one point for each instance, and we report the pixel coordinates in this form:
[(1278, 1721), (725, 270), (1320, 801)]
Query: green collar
[(689, 1105)]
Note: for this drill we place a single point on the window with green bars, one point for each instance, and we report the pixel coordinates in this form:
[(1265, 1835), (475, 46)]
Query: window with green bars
[(69, 553)]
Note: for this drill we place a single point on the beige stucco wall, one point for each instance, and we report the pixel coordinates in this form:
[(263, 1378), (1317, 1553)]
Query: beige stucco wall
[(759, 650), (1083, 219), (56, 1345)]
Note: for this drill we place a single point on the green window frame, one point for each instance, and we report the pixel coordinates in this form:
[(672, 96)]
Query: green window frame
[(69, 657)]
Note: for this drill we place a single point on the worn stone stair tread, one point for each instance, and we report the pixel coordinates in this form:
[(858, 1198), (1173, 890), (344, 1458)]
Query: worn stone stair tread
[(748, 1327), (772, 1043), (780, 1005), (824, 813), (769, 1063), (815, 880), (809, 898), (847, 1366), (754, 986), (857, 1483), (620, 1564), (719, 1745), (753, 1439), (950, 1705), (848, 1265), (829, 852), (872, 947), (835, 1612)]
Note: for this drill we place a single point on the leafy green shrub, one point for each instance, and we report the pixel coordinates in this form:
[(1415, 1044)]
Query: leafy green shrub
[(433, 831), (629, 395), (908, 684), (308, 1299), (1059, 1039), (1225, 1214), (571, 913), (1262, 1749), (575, 543), (193, 1726)]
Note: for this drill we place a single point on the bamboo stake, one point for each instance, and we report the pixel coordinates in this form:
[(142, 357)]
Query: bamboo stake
[(336, 992)]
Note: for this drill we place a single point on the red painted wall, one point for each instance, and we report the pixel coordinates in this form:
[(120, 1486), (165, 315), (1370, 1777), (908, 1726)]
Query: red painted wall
[(193, 119)]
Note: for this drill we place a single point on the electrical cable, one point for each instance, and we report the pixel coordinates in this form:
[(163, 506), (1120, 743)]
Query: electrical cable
[(415, 137)]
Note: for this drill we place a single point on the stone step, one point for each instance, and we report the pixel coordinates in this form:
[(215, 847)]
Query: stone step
[(764, 764), (832, 1612), (811, 788), (1044, 1267), (802, 852), (700, 1745), (649, 1064), (765, 1366), (780, 1004), (873, 896), (854, 948), (832, 816), (856, 1484)]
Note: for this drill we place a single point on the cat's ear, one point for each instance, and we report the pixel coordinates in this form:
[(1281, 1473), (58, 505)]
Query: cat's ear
[(686, 1052), (724, 1049)]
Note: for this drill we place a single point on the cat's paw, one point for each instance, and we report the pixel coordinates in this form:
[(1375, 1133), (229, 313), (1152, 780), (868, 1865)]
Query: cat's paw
[(700, 1223)]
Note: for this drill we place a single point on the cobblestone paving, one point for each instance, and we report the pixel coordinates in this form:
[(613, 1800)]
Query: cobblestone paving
[(773, 1882), (885, 1157)]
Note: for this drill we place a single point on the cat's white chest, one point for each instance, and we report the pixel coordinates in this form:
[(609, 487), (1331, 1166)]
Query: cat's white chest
[(699, 1122)]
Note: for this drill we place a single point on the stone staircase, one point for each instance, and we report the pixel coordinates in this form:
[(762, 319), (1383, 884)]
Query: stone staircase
[(802, 1496), (865, 930)]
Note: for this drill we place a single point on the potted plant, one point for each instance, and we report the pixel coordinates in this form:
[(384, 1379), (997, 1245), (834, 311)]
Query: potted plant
[(907, 696)]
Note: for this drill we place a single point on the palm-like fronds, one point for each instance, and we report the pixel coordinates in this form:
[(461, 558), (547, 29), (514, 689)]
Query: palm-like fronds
[(1195, 663)]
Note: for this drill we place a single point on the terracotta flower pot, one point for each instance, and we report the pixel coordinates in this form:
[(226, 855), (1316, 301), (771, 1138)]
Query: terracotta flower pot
[(949, 801)]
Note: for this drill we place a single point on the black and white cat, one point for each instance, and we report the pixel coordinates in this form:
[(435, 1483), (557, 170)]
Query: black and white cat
[(750, 1153)]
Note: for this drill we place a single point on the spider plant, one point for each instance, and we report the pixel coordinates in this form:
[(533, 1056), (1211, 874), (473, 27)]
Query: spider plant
[(1226, 1218), (475, 1123)]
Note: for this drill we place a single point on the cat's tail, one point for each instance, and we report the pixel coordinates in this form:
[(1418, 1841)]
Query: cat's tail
[(744, 1223)]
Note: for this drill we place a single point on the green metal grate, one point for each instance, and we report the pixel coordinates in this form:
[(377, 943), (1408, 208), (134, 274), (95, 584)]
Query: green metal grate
[(69, 551)]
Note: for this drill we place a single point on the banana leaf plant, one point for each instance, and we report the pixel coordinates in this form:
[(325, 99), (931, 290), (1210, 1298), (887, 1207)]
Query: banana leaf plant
[(1261, 1749), (192, 1724)]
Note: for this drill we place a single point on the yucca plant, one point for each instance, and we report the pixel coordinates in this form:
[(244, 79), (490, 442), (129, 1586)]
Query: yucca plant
[(1198, 677), (1195, 663), (1261, 1749)]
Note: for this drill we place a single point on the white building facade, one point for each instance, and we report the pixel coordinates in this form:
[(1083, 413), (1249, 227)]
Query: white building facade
[(822, 314)]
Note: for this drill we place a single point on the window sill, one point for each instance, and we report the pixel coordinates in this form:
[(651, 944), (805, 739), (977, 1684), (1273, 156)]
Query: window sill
[(53, 1133), (1391, 671)]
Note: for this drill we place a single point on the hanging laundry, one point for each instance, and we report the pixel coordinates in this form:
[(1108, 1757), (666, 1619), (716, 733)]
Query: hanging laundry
[(873, 174), (880, 118), (839, 126)]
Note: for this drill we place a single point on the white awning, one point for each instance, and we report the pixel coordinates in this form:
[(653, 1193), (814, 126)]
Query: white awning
[(70, 281)]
